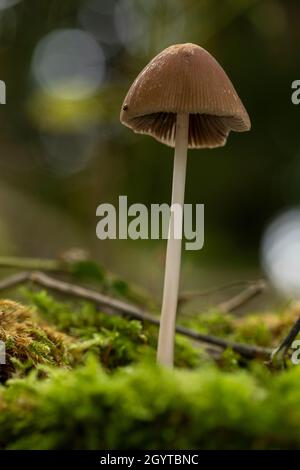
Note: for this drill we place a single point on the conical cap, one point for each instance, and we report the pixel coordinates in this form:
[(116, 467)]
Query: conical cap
[(184, 78)]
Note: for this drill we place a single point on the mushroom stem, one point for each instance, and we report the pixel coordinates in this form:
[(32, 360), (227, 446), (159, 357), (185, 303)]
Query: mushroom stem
[(165, 350)]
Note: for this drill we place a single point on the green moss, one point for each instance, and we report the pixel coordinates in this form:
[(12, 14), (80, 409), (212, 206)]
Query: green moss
[(147, 407), (257, 333), (117, 341), (212, 322), (82, 379), (29, 341), (229, 360), (188, 354), (263, 329)]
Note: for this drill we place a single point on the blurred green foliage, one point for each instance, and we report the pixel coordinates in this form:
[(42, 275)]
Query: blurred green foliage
[(61, 158), (150, 408)]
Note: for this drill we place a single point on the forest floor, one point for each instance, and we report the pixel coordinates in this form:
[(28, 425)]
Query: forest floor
[(80, 370)]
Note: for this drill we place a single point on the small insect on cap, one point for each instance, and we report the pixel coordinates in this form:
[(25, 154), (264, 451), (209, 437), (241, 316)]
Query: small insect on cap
[(184, 78)]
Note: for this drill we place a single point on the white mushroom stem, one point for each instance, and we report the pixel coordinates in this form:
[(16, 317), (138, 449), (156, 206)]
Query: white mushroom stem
[(165, 350)]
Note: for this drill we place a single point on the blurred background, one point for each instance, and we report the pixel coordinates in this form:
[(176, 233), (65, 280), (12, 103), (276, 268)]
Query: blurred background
[(67, 67)]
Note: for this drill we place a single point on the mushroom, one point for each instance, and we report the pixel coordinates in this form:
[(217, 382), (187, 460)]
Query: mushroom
[(184, 99)]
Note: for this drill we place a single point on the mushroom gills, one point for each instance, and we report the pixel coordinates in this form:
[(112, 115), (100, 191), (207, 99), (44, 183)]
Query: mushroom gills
[(205, 130)]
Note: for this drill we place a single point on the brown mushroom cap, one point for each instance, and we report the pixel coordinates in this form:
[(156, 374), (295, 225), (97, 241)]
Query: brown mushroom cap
[(184, 78)]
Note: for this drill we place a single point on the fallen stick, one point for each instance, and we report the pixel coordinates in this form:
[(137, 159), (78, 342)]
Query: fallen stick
[(65, 265), (286, 343), (188, 296), (14, 280), (57, 266), (253, 289), (120, 307), (32, 264), (243, 297)]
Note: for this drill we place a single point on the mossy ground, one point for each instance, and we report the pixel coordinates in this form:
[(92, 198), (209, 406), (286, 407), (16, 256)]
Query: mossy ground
[(77, 378)]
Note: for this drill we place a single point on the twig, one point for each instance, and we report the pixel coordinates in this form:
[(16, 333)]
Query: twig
[(243, 297), (13, 281), (191, 295), (31, 264), (116, 306), (285, 345), (64, 264), (245, 350)]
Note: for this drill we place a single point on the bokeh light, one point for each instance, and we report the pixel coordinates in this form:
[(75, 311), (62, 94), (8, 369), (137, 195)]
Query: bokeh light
[(69, 64), (98, 18), (4, 4), (68, 153), (131, 26), (281, 252), (134, 21)]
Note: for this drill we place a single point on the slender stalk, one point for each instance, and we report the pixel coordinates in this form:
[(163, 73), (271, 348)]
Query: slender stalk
[(165, 350)]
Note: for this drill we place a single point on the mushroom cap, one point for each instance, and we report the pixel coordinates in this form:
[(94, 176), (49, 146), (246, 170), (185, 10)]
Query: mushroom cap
[(184, 78)]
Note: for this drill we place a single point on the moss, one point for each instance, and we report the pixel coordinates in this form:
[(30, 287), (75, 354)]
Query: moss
[(147, 407), (117, 341), (82, 379), (262, 329), (265, 329), (254, 332), (229, 360), (29, 341), (189, 355), (212, 322)]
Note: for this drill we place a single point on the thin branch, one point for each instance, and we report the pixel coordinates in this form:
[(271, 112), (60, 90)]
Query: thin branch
[(65, 264), (13, 281), (243, 297), (191, 295), (245, 350), (41, 264), (31, 264), (60, 265), (115, 306), (285, 345)]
